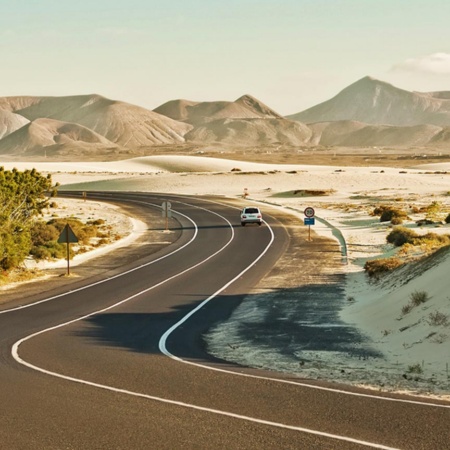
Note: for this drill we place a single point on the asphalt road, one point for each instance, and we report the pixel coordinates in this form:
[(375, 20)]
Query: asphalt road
[(116, 360)]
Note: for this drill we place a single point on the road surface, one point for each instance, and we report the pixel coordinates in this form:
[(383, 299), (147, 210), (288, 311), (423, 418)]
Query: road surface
[(117, 360)]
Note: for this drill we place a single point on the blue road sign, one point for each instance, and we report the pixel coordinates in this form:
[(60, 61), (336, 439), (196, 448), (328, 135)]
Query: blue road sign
[(309, 220)]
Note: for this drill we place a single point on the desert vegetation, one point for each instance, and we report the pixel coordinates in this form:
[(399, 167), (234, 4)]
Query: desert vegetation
[(413, 246), (23, 198)]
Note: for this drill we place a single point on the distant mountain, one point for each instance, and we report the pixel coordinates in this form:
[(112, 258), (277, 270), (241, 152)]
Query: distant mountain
[(121, 123), (358, 134), (376, 102), (368, 113), (52, 135), (195, 113), (251, 132)]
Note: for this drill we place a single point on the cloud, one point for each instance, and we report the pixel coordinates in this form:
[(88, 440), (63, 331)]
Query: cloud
[(436, 64)]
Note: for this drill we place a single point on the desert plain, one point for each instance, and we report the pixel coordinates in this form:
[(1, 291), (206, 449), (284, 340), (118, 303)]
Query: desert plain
[(401, 352)]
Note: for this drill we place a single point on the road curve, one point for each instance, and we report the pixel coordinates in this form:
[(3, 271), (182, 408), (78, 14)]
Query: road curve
[(120, 363)]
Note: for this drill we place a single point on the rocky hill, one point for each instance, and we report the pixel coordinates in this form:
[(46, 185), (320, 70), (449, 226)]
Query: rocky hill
[(126, 125), (195, 113), (48, 136), (251, 132), (376, 102), (10, 122), (368, 113)]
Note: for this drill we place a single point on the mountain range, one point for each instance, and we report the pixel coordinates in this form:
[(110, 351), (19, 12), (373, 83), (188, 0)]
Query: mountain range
[(366, 113)]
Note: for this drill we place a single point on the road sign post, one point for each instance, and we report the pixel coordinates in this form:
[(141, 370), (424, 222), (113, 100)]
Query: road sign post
[(67, 236), (309, 219), (166, 213)]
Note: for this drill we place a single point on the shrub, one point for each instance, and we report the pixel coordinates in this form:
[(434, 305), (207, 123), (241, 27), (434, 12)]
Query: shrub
[(388, 213), (401, 235), (397, 221), (433, 210), (447, 219), (418, 297), (97, 222), (376, 267), (415, 368), (438, 318), (407, 308)]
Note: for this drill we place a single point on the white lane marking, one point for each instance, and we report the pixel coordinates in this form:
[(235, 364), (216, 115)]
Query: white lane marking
[(196, 407), (15, 354), (165, 351), (82, 288)]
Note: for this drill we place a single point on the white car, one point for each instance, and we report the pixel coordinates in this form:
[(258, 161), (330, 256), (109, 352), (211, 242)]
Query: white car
[(251, 214)]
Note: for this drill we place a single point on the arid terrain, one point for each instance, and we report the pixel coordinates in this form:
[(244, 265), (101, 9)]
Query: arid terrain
[(369, 121), (372, 144), (344, 197)]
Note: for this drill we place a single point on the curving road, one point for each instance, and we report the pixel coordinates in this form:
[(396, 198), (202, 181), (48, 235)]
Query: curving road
[(117, 360)]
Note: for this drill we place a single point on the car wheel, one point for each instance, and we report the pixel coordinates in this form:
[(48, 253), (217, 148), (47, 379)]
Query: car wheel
[(259, 223), (243, 224)]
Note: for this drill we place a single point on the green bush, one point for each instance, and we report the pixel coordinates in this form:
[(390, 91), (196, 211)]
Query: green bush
[(389, 213), (22, 197), (401, 235)]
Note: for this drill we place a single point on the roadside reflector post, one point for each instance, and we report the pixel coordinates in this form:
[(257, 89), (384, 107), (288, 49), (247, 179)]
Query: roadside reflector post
[(166, 213), (68, 237)]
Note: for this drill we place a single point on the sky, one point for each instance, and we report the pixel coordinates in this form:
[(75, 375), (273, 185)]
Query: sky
[(290, 54)]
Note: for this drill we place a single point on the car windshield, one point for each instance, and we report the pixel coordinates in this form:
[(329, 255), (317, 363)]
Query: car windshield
[(251, 211)]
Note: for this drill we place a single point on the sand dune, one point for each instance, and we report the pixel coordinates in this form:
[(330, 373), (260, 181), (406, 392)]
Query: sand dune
[(403, 340)]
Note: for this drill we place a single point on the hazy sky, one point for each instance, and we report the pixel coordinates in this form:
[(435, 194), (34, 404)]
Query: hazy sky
[(290, 54)]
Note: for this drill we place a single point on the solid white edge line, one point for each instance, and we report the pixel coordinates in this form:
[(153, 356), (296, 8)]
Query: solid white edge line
[(82, 288), (164, 350), (16, 345)]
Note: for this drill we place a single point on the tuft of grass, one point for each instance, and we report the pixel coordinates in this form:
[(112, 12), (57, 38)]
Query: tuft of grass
[(437, 319), (418, 297), (407, 308), (415, 368)]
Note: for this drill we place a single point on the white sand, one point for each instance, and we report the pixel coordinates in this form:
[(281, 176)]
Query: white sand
[(376, 309)]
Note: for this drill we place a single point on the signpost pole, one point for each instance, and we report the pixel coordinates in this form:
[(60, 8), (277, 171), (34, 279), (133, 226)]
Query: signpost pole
[(67, 236), (309, 220), (68, 251)]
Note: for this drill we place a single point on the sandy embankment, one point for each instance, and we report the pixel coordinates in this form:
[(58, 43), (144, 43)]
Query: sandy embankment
[(376, 309)]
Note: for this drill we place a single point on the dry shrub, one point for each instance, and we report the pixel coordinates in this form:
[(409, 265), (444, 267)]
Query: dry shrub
[(376, 267), (438, 318), (388, 213), (419, 297), (400, 236)]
